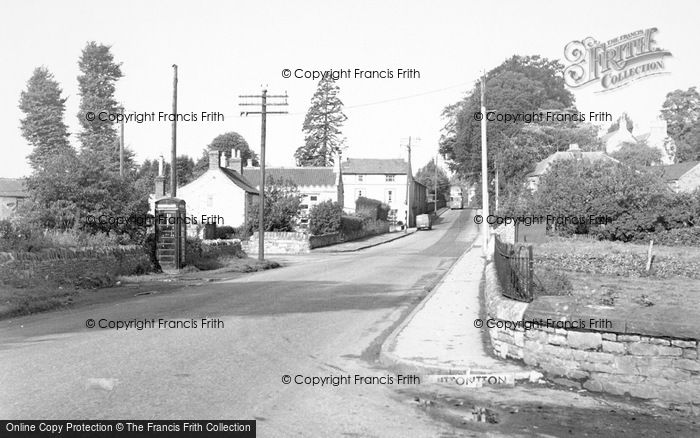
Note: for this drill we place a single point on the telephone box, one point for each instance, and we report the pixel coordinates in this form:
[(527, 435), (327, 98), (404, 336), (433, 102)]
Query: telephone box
[(171, 231)]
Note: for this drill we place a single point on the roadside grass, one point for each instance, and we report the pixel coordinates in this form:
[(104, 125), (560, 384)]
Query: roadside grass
[(20, 301), (41, 298)]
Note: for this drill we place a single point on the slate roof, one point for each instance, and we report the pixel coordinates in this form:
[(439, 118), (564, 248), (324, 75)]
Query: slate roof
[(239, 180), (591, 157), (369, 166), (13, 188), (673, 172), (301, 176)]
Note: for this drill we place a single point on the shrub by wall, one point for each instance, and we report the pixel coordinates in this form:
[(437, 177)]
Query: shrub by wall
[(350, 224), (371, 208), (325, 218)]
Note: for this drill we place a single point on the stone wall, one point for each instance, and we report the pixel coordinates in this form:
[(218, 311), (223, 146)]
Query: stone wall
[(302, 243), (325, 240), (279, 243), (649, 367), (80, 267)]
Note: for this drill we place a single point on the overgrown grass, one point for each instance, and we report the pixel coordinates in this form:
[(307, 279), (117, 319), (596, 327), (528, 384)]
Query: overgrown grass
[(18, 302)]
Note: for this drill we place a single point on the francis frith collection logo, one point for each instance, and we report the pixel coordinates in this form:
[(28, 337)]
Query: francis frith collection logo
[(616, 62)]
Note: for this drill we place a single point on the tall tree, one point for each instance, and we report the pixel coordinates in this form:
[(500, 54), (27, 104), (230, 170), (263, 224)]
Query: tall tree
[(426, 176), (96, 86), (322, 127), (681, 110), (520, 85), (43, 125)]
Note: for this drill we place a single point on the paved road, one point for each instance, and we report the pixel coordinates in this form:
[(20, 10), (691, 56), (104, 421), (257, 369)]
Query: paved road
[(320, 315)]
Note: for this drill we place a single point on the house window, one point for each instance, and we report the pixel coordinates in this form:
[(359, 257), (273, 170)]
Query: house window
[(314, 198), (359, 193), (389, 178), (389, 198), (360, 178)]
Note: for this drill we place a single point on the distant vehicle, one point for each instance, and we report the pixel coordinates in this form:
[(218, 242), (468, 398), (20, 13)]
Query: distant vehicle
[(423, 222), (456, 198)]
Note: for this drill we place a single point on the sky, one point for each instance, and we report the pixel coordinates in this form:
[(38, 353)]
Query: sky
[(227, 48)]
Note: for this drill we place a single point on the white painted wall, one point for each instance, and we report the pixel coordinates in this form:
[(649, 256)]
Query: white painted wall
[(376, 187), (211, 194)]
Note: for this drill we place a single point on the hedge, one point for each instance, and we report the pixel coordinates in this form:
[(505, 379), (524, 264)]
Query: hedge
[(371, 208)]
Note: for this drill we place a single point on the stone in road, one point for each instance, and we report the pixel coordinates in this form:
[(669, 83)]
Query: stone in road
[(320, 316)]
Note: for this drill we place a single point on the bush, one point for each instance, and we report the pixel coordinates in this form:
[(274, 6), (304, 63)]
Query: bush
[(225, 232), (350, 224), (325, 218), (371, 208), (675, 237)]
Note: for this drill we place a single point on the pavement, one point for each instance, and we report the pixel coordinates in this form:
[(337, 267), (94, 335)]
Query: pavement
[(369, 242), (439, 336)]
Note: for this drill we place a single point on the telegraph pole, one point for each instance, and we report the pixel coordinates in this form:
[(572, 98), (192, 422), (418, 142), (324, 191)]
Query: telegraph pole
[(409, 182), (484, 168), (435, 186), (263, 133), (173, 152)]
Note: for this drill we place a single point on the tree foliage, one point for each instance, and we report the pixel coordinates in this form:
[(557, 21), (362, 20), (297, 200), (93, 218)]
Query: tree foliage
[(521, 85), (638, 155), (282, 201), (426, 176), (322, 127), (681, 110), (230, 141), (43, 125), (79, 191), (325, 218), (97, 84), (635, 201)]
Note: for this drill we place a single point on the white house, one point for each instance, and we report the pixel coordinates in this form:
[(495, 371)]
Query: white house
[(12, 193), (315, 184), (573, 153), (385, 180), (220, 196), (681, 177), (657, 138)]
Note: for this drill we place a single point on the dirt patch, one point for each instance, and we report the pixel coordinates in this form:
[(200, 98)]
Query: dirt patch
[(542, 410)]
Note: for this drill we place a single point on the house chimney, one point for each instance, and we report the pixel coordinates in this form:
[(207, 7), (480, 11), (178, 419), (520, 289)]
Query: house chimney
[(575, 151), (213, 159), (235, 162)]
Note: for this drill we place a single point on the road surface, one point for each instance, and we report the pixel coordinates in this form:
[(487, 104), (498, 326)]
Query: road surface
[(321, 315)]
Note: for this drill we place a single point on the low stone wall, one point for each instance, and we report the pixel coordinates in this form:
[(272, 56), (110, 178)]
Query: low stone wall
[(302, 243), (279, 243), (649, 367), (325, 240), (80, 267), (222, 248)]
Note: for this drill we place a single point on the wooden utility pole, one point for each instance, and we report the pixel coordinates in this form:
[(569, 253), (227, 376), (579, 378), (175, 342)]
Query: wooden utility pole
[(173, 152), (121, 144), (263, 133), (435, 186), (484, 169)]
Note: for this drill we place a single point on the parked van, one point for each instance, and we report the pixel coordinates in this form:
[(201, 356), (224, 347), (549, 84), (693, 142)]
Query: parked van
[(423, 222)]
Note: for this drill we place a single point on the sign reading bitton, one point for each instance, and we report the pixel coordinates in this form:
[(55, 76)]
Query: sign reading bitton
[(616, 62)]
